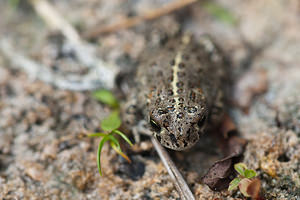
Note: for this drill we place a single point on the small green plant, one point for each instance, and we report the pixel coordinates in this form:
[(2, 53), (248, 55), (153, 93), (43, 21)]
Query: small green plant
[(220, 13), (109, 126), (14, 3), (248, 186)]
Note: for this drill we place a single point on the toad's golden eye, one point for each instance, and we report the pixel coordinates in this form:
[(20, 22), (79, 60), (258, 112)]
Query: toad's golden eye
[(201, 121), (155, 125)]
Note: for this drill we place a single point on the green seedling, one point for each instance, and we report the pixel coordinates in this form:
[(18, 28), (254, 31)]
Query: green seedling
[(220, 13), (14, 3), (109, 126), (111, 122), (243, 180), (114, 143), (106, 97)]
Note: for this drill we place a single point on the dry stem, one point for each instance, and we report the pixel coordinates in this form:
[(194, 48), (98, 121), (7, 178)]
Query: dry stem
[(133, 21)]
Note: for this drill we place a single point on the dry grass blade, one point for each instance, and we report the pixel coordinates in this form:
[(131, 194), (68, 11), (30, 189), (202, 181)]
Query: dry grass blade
[(133, 21)]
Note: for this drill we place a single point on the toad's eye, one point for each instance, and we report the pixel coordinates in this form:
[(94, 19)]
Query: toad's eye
[(154, 125), (201, 121)]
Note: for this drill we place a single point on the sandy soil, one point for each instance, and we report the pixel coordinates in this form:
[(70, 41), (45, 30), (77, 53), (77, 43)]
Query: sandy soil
[(43, 154)]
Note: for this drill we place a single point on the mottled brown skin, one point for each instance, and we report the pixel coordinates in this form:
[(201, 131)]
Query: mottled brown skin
[(179, 90)]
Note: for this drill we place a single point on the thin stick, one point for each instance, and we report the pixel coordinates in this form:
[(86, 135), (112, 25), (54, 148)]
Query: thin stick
[(133, 21), (180, 184), (55, 20)]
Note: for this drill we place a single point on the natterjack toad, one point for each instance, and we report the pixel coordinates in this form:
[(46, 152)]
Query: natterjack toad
[(179, 90)]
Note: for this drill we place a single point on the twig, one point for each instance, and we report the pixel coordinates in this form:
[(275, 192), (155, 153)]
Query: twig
[(179, 181), (55, 20), (180, 184), (133, 21), (85, 53)]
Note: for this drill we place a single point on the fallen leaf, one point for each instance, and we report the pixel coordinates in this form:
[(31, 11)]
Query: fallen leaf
[(254, 188), (243, 186), (218, 176)]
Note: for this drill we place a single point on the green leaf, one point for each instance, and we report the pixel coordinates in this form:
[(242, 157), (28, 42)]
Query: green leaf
[(240, 168), (104, 139), (115, 141), (106, 97), (97, 134), (234, 184), (220, 13), (123, 136), (249, 173), (112, 122)]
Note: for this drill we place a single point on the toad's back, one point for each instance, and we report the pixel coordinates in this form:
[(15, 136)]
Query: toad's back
[(180, 89)]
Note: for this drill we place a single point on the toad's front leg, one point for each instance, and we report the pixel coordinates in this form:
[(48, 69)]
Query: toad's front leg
[(132, 116)]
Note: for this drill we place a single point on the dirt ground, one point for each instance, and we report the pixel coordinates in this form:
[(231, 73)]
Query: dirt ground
[(43, 154)]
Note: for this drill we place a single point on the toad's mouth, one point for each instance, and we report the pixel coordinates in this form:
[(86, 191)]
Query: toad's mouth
[(178, 141)]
